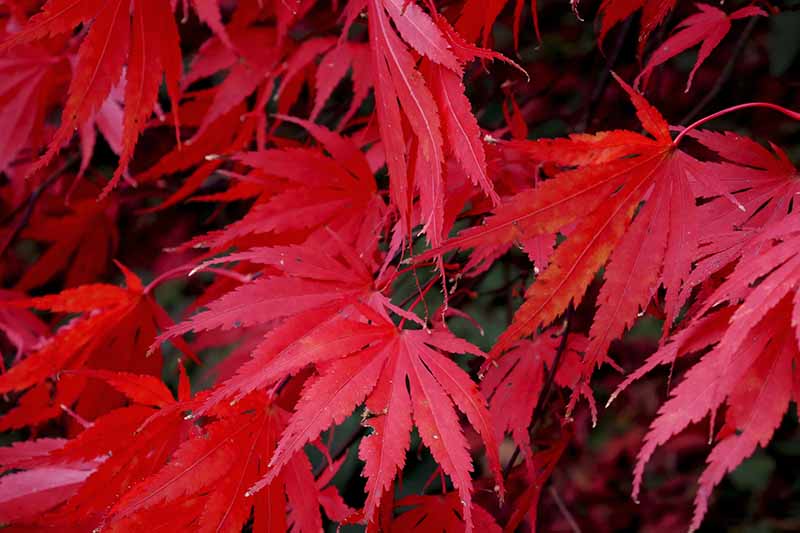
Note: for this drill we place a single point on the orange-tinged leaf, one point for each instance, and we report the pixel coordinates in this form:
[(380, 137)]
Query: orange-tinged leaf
[(595, 197)]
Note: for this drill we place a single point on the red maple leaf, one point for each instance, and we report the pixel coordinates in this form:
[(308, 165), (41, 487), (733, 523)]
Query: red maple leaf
[(615, 11), (315, 191), (116, 320), (138, 34), (115, 451), (607, 176), (749, 370), (706, 28), (30, 77), (82, 236), (404, 374), (433, 104), (514, 386), (765, 184), (439, 513), (212, 472), (332, 316)]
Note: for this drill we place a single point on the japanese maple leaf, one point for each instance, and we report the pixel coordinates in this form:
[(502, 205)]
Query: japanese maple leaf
[(333, 67), (212, 471), (478, 16), (307, 298), (514, 169), (440, 513), (251, 66), (30, 77), (28, 493), (337, 191), (88, 474), (22, 329), (120, 321), (263, 60), (140, 35), (708, 27), (765, 183), (301, 281), (108, 120), (608, 175), (402, 375), (325, 311), (750, 369), (297, 69), (430, 101), (514, 386), (615, 11), (540, 467), (228, 133), (83, 238)]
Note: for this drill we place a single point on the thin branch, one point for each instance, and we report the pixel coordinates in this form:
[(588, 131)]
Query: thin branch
[(602, 80), (564, 511), (32, 201)]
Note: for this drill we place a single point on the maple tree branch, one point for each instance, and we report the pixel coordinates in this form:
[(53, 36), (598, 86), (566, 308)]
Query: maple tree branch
[(32, 201), (602, 81), (511, 461), (573, 524), (725, 74), (507, 285)]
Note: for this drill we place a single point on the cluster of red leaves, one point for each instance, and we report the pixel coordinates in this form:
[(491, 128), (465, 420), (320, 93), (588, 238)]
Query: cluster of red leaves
[(696, 228)]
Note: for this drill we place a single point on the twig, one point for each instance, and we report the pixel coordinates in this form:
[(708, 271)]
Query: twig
[(726, 73), (564, 511), (32, 201), (509, 292), (602, 80)]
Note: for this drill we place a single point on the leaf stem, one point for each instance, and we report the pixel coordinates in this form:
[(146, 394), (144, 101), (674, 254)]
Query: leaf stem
[(359, 432), (788, 112), (241, 278), (420, 297)]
